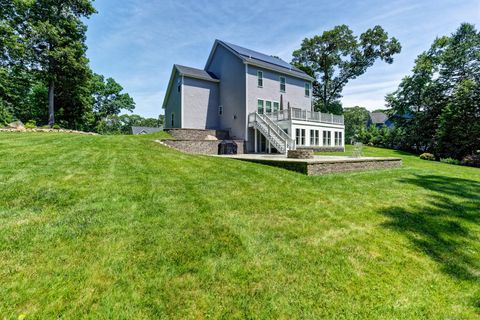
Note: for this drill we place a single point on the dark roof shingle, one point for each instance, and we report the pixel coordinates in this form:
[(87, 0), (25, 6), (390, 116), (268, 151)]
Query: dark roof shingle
[(196, 73)]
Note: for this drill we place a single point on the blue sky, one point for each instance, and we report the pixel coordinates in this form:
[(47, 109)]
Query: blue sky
[(136, 41)]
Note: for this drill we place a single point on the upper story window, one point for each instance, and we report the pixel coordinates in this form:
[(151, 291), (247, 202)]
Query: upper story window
[(260, 79), (220, 110), (283, 84), (307, 89)]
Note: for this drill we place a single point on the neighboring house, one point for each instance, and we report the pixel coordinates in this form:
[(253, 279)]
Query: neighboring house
[(257, 98), (379, 119), (144, 130)]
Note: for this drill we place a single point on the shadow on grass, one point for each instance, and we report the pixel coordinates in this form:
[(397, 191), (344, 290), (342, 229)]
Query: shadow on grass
[(444, 227)]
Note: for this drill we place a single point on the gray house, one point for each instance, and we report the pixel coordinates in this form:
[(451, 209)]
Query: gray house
[(255, 97)]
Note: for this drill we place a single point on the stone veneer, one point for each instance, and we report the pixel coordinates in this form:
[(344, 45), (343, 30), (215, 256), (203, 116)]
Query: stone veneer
[(201, 146), (317, 169), (300, 154), (197, 134)]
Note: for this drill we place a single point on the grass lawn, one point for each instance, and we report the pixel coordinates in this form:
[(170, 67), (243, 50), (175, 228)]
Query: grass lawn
[(122, 227)]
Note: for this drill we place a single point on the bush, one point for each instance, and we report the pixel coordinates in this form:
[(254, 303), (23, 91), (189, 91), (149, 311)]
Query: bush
[(56, 126), (450, 161), (427, 156), (5, 116), (472, 161), (31, 124)]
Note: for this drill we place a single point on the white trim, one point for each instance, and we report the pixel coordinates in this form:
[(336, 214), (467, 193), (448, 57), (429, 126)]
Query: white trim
[(182, 109)]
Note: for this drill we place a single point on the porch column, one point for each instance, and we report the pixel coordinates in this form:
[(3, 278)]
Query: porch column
[(255, 140)]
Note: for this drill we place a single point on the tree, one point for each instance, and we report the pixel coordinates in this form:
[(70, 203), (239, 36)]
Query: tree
[(355, 119), (54, 35), (108, 98), (436, 105), (337, 56)]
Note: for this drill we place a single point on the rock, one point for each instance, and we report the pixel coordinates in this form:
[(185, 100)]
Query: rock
[(16, 124), (210, 137)]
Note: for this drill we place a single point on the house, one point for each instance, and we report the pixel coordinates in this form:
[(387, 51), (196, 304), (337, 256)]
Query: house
[(144, 130), (257, 98), (379, 119)]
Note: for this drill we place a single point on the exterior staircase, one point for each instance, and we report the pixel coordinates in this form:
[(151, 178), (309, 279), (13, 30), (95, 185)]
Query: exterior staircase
[(272, 132)]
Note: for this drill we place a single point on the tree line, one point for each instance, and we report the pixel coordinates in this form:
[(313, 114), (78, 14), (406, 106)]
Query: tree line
[(45, 77), (435, 109)]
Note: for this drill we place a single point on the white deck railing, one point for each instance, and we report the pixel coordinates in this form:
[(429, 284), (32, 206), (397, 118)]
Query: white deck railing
[(305, 115)]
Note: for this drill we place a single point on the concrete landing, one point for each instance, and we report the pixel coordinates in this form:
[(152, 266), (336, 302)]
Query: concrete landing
[(320, 165)]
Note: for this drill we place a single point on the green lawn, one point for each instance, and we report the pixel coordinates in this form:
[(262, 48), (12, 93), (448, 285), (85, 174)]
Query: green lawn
[(122, 227)]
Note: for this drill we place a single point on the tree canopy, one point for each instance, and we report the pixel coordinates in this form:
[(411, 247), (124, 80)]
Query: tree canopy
[(438, 104), (44, 71), (337, 56)]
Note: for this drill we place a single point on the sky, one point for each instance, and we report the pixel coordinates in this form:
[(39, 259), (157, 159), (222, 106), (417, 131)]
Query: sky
[(136, 42)]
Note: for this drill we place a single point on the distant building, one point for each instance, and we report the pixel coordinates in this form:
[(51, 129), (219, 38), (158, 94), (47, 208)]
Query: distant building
[(379, 119), (144, 130)]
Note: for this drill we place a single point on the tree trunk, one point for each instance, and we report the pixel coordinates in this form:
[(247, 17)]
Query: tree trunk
[(51, 106)]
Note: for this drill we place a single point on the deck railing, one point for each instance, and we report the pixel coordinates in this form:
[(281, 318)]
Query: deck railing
[(305, 115)]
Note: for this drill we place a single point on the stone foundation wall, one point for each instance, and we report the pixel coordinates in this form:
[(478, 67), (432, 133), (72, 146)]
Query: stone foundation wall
[(300, 154), (197, 134), (317, 169), (201, 146)]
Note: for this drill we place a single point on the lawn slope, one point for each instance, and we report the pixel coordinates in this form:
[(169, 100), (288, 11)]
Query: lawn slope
[(123, 227)]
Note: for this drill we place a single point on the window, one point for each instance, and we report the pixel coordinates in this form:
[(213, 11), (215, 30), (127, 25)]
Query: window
[(314, 139), (260, 106), (276, 106), (172, 120), (317, 137), (307, 89), (179, 85), (338, 138), (327, 138), (268, 106), (220, 110), (285, 130), (300, 137), (260, 79), (282, 84)]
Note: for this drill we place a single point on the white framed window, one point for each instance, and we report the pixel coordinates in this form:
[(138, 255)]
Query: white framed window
[(276, 106), (327, 138), (260, 79), (314, 137), (268, 106), (260, 104), (307, 89), (283, 84), (172, 120), (338, 138), (220, 110), (300, 136)]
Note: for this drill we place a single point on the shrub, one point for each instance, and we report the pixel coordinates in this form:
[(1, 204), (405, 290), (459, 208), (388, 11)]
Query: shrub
[(5, 116), (450, 161), (31, 124), (472, 161), (427, 156), (56, 126)]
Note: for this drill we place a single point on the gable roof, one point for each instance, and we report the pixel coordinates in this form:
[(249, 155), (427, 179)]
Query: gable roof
[(378, 117), (139, 130), (195, 73), (259, 59)]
